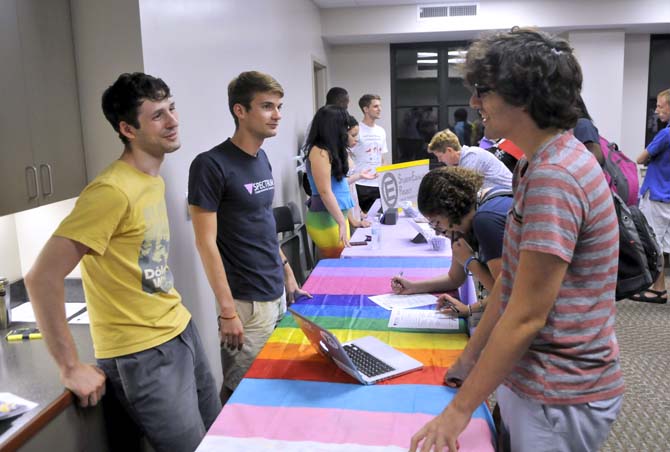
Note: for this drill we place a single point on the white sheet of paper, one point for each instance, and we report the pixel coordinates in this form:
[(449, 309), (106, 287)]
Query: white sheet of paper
[(17, 405), (8, 397), (394, 301), (81, 319), (24, 312), (421, 319)]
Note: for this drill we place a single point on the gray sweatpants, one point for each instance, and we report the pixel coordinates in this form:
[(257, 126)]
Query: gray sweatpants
[(167, 393), (529, 426)]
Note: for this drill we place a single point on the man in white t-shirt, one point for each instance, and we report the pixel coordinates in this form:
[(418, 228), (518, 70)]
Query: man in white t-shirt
[(368, 153)]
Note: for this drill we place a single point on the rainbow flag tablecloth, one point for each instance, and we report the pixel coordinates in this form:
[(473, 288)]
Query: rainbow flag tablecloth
[(293, 399)]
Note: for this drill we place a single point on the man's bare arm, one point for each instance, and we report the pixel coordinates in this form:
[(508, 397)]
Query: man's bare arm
[(46, 289), (643, 158), (205, 228)]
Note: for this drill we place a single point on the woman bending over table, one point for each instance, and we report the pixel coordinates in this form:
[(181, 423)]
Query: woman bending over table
[(455, 204)]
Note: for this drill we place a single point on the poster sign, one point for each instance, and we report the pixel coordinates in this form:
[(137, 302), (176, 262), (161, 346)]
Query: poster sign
[(400, 182)]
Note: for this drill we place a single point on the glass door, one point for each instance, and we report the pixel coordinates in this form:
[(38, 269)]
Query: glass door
[(416, 101), (427, 95)]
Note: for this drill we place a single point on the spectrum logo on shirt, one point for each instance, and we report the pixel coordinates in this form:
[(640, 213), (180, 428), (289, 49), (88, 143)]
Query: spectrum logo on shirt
[(259, 187)]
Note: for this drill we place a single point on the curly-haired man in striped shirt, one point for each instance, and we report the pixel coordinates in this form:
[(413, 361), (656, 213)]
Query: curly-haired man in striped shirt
[(547, 342)]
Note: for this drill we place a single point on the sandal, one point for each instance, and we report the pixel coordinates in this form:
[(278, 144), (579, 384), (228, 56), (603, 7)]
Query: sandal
[(657, 298)]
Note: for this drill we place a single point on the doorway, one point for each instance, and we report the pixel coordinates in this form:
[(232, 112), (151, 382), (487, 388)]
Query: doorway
[(319, 84)]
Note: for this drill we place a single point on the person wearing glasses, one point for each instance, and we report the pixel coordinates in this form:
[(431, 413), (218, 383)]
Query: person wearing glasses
[(457, 205), (448, 150), (546, 343)]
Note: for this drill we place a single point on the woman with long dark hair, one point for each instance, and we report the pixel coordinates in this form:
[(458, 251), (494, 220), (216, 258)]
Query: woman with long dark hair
[(327, 166)]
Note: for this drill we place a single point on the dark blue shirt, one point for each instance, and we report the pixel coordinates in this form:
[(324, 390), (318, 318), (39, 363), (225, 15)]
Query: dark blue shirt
[(240, 189), (586, 132), (657, 179), (488, 226)]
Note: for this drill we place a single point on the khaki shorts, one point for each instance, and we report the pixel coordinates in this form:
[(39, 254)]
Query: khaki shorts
[(259, 319), (658, 216)]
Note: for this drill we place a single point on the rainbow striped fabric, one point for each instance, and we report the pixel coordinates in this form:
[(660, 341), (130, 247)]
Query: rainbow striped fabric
[(293, 399)]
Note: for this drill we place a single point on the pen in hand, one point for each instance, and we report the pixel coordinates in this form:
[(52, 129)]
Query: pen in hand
[(395, 281)]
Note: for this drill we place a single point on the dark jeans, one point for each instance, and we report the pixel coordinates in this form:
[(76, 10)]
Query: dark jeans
[(167, 393)]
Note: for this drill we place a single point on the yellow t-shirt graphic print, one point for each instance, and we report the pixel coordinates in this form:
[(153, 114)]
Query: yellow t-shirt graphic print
[(156, 275), (130, 295)]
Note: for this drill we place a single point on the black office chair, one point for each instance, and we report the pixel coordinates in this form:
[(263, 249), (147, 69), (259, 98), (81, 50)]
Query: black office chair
[(294, 241)]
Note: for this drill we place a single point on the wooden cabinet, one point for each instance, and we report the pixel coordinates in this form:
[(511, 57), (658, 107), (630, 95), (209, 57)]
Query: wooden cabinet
[(41, 152)]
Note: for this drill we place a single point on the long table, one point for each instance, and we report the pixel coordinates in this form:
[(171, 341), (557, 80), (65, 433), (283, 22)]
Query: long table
[(396, 242), (293, 399)]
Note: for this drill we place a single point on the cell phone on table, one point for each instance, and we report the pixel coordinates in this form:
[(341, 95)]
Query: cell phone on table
[(361, 243)]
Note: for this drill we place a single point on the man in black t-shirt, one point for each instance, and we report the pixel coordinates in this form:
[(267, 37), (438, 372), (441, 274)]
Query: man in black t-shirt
[(230, 193)]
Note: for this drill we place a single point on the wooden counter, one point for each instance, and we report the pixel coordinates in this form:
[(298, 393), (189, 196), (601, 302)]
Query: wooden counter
[(28, 370)]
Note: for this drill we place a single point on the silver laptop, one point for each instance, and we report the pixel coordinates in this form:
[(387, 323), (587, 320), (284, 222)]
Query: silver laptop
[(367, 359)]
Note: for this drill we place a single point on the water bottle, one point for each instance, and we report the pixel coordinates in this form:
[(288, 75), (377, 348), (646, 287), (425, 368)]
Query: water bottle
[(376, 242)]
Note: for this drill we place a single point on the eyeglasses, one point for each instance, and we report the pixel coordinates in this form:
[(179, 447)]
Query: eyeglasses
[(479, 90), (437, 228)]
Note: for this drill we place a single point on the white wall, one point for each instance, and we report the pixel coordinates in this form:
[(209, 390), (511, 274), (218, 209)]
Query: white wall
[(615, 68), (35, 226), (197, 48), (363, 69), (635, 82), (601, 56), (10, 262), (107, 42), (401, 24)]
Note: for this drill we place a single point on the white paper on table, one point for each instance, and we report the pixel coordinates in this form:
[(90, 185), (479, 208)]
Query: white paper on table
[(24, 312), (8, 397), (81, 319), (394, 301), (422, 319), (15, 405)]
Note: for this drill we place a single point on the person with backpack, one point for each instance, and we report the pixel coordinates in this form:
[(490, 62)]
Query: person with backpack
[(586, 132), (620, 170), (546, 343), (456, 204), (655, 194)]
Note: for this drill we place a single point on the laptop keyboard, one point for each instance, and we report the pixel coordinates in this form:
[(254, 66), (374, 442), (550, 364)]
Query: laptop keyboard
[(366, 364)]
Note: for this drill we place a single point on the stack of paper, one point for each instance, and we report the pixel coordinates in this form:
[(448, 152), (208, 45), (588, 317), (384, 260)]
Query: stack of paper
[(422, 319)]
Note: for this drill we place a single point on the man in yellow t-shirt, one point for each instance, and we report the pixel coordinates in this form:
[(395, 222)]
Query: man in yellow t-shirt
[(150, 359)]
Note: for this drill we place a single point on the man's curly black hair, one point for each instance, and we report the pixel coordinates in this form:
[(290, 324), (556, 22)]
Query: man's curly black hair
[(531, 69)]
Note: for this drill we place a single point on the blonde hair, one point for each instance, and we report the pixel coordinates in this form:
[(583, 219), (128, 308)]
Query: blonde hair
[(665, 94), (444, 139)]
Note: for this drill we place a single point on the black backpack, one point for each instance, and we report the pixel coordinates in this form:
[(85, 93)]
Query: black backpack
[(640, 256)]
